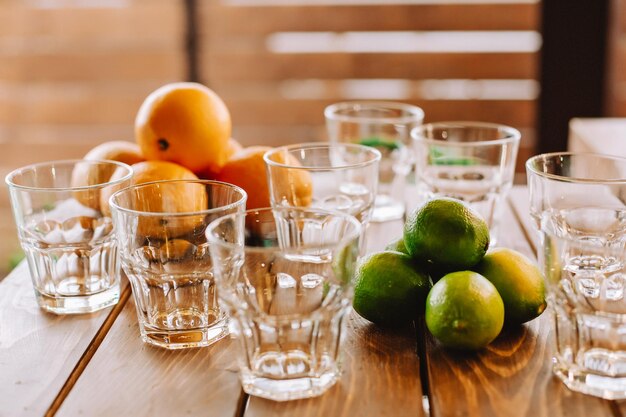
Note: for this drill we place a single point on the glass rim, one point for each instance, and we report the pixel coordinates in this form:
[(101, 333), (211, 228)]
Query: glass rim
[(415, 113), (242, 200), (321, 145), (343, 241), (9, 179), (582, 180), (513, 134)]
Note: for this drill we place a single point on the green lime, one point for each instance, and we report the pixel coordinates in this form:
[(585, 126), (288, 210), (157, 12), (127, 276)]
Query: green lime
[(446, 233), (389, 290), (518, 281), (464, 310), (397, 245)]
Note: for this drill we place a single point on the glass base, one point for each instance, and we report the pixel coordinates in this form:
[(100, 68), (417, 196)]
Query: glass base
[(387, 208), (288, 389), (609, 388), (184, 339), (78, 304)]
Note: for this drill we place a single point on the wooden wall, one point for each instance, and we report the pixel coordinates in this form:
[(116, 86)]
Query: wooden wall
[(73, 73), (277, 82)]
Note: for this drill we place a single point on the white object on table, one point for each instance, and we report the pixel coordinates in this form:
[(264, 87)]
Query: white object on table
[(598, 135)]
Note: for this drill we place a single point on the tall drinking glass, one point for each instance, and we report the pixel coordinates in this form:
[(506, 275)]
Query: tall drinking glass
[(470, 161), (66, 232), (285, 276), (578, 203), (160, 228), (341, 177), (385, 126)]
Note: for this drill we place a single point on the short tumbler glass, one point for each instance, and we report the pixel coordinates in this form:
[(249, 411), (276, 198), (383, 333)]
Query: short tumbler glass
[(160, 228), (578, 203), (471, 161), (285, 275), (385, 126), (341, 177), (65, 229)]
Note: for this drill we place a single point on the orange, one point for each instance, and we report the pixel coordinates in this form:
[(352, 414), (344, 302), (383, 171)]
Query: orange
[(232, 148), (149, 171), (185, 123), (84, 174), (247, 169), (182, 198), (117, 150), (291, 186)]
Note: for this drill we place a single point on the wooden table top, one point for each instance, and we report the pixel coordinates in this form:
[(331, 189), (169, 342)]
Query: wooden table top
[(96, 364)]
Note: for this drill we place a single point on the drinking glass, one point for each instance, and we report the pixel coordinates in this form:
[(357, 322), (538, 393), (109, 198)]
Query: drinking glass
[(285, 276), (160, 228), (341, 177), (385, 126), (471, 161), (578, 203), (65, 229)]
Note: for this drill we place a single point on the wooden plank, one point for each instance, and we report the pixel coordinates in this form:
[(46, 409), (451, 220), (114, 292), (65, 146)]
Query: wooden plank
[(512, 377), (380, 367), (128, 377), (90, 65), (276, 135), (59, 134), (18, 153), (519, 113), (93, 103), (223, 67), (151, 19), (519, 201), (261, 20), (38, 351), (381, 372)]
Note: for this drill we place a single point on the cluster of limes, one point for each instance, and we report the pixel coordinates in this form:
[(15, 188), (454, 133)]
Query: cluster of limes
[(475, 291)]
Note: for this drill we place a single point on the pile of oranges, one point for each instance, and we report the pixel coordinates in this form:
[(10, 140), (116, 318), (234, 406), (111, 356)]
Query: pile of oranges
[(183, 131)]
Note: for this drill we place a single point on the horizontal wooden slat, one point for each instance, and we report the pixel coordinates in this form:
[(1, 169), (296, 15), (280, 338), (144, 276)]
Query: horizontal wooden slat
[(148, 18), (96, 103), (18, 153), (54, 134), (296, 112), (263, 20), (233, 67), (89, 65)]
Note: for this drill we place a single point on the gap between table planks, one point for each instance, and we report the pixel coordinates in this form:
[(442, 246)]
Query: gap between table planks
[(40, 353), (512, 377)]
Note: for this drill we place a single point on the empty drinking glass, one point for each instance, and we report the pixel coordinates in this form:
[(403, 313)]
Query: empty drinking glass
[(578, 203), (65, 229), (385, 126), (285, 275), (160, 228), (470, 161), (341, 177)]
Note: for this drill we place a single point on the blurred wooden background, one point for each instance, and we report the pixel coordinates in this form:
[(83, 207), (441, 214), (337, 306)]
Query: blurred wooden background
[(74, 72)]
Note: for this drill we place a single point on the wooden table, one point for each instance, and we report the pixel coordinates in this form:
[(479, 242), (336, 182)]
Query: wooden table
[(96, 365)]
